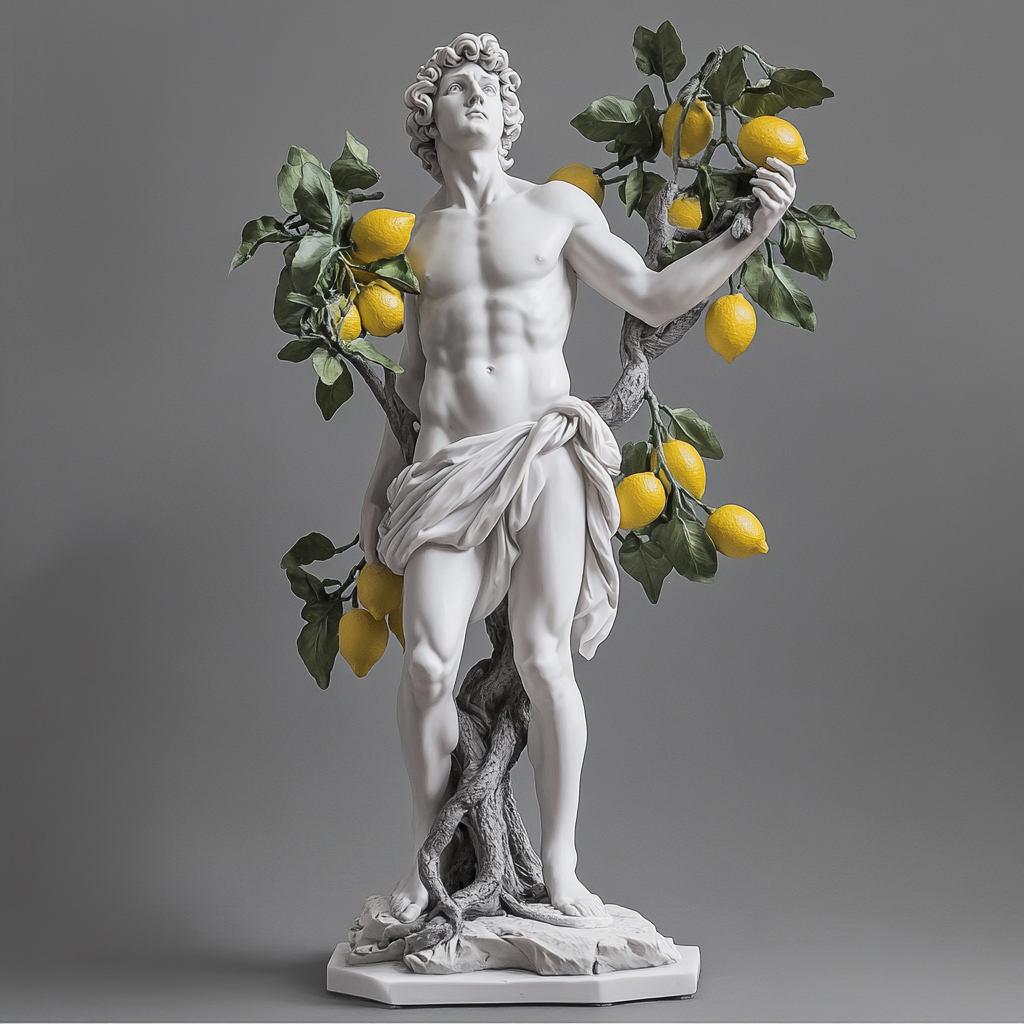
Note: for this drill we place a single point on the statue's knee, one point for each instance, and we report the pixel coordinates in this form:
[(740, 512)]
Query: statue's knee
[(428, 673), (546, 672)]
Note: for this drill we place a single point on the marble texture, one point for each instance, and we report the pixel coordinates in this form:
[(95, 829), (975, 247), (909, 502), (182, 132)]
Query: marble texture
[(391, 983), (622, 941)]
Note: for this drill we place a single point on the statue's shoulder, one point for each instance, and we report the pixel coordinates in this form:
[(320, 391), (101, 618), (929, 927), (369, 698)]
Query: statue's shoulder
[(569, 200)]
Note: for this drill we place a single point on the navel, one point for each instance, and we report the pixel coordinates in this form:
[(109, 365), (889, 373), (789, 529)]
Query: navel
[(490, 369)]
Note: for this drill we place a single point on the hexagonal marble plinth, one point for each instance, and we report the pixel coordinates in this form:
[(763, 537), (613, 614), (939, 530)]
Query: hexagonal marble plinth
[(392, 983)]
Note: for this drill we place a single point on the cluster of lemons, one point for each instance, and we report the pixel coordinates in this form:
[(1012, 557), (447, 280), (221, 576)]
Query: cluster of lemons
[(376, 306), (730, 321), (363, 632), (735, 531)]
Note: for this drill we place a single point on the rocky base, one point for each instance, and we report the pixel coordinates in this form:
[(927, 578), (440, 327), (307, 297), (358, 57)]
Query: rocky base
[(624, 941)]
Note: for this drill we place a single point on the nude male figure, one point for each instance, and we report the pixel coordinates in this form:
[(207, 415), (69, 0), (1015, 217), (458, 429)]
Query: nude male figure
[(498, 259)]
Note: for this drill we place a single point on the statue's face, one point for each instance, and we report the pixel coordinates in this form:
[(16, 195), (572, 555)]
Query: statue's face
[(467, 108)]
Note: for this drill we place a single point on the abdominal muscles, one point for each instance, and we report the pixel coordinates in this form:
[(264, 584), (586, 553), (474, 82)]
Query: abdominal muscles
[(492, 359)]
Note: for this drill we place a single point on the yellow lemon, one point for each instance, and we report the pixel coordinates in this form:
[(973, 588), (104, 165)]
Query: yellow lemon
[(379, 589), (684, 212), (362, 640), (381, 234), (348, 326), (641, 499), (729, 325), (685, 465), (582, 177), (771, 136), (736, 532), (696, 130), (395, 625), (380, 308)]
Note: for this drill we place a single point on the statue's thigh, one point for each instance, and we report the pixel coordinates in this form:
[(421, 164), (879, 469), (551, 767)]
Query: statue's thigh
[(439, 590), (547, 576)]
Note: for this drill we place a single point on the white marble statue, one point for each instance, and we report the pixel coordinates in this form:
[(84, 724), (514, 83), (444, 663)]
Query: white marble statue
[(511, 486)]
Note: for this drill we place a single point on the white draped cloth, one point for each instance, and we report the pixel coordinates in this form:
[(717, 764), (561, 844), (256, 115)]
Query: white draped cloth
[(478, 492)]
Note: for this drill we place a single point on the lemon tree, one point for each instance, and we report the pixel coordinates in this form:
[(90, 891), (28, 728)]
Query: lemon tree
[(638, 131), (343, 276), (715, 130), (342, 282)]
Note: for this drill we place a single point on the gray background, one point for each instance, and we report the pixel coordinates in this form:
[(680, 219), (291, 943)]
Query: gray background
[(812, 769)]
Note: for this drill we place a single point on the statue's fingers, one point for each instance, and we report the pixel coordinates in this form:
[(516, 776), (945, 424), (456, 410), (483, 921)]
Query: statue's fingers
[(769, 195), (781, 167)]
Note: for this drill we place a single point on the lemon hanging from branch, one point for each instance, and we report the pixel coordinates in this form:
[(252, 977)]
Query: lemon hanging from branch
[(736, 532), (729, 326), (381, 308), (771, 136), (695, 133), (381, 234)]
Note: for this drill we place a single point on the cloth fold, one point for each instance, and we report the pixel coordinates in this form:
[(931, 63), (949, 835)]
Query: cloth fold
[(478, 491)]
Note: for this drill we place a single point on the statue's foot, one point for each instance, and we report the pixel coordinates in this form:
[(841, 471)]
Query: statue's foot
[(409, 898), (572, 898)]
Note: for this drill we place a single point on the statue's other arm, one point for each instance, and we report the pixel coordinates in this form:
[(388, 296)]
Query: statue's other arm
[(612, 267), (390, 460)]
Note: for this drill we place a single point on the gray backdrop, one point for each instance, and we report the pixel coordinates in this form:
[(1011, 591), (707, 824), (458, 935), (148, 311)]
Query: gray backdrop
[(812, 769)]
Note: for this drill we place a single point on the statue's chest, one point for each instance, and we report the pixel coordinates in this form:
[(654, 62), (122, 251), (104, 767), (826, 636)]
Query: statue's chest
[(506, 245)]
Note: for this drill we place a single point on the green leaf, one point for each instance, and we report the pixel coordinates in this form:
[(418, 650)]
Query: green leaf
[(318, 642), (644, 99), (305, 586), (726, 85), (658, 53), (703, 184), (644, 45), (255, 233), (799, 88), (315, 199), (676, 251), (328, 368), (635, 457), (287, 316), (804, 247), (315, 245), (729, 186), (632, 189), (331, 397), (669, 54), (775, 291), (327, 279), (396, 271), (652, 183), (351, 170), (689, 549), (299, 349), (314, 547), (290, 175), (686, 425), (610, 117), (759, 100), (646, 563), (827, 217), (364, 347)]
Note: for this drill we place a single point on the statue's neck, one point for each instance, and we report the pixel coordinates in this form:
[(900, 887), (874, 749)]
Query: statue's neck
[(473, 179)]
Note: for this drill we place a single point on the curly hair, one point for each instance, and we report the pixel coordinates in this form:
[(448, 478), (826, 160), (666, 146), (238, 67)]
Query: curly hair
[(419, 97)]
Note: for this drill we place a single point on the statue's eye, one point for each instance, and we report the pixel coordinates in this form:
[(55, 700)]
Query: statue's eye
[(454, 87), (490, 89)]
